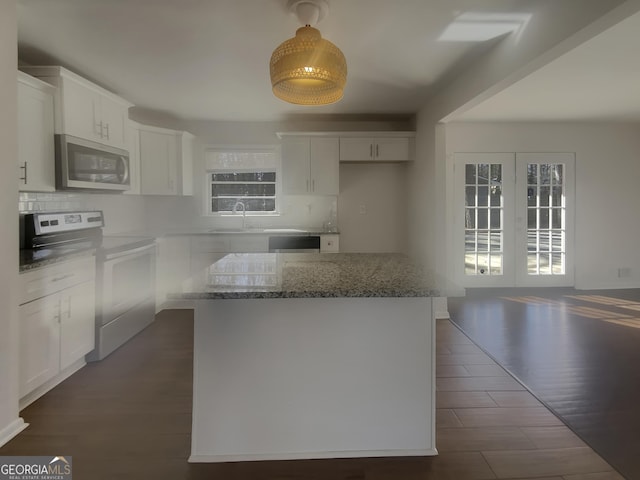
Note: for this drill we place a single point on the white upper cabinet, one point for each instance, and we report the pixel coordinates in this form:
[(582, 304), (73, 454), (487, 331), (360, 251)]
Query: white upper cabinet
[(85, 110), (378, 149), (166, 161), (35, 135), (310, 165)]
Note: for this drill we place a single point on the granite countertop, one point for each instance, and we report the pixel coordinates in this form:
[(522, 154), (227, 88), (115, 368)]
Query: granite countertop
[(32, 259), (308, 275)]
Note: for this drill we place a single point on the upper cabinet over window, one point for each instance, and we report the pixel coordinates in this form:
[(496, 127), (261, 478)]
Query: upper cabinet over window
[(310, 165), (376, 149), (85, 110), (166, 161), (35, 135)]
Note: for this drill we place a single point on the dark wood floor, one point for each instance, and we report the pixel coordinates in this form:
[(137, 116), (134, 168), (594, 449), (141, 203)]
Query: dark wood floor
[(578, 352), (129, 417)]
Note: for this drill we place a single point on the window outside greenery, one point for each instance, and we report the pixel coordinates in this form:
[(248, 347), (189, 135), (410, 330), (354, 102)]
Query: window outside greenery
[(254, 191)]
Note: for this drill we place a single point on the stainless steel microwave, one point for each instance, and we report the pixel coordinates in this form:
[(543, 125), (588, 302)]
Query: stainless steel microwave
[(86, 165)]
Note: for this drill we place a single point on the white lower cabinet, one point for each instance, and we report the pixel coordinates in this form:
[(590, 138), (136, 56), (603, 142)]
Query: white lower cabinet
[(77, 332), (207, 249), (39, 342), (57, 324), (172, 266)]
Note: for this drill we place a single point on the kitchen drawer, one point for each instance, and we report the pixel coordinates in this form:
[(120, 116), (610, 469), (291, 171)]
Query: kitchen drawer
[(329, 243), (210, 243), (248, 243), (229, 243), (53, 278)]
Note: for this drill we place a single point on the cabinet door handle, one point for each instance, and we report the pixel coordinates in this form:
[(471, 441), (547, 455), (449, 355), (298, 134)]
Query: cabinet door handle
[(106, 126), (371, 150), (99, 129), (313, 185), (307, 185), (25, 172), (62, 277), (377, 150)]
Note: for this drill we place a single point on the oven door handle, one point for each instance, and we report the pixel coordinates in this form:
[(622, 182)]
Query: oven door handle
[(126, 253)]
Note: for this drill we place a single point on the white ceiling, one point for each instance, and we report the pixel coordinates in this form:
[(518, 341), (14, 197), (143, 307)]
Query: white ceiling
[(209, 59), (597, 81)]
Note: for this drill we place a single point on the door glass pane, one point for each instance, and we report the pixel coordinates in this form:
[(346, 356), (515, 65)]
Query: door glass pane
[(483, 241), (496, 242), (545, 193), (483, 220), (483, 196), (483, 174), (483, 263), (546, 229), (495, 199), (470, 218), (483, 225), (470, 196), (496, 264), (556, 218), (495, 218), (532, 218), (470, 174), (544, 217), (557, 264)]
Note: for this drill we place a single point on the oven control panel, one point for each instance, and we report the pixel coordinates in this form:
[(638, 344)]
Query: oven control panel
[(58, 222)]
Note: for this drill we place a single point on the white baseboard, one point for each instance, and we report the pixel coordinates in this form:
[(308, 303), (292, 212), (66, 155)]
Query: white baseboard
[(32, 396), (11, 430), (311, 455)]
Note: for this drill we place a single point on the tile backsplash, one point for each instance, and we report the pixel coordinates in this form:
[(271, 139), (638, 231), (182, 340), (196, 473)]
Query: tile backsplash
[(29, 202), (122, 213)]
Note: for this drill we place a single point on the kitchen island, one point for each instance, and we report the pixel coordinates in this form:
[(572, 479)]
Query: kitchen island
[(304, 355)]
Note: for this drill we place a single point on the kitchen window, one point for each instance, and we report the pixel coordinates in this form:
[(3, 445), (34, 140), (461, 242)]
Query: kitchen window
[(242, 178), (253, 191)]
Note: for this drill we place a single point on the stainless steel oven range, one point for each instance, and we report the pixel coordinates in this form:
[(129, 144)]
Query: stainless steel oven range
[(125, 271)]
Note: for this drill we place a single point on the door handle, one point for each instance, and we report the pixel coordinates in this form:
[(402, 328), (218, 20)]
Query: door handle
[(24, 167)]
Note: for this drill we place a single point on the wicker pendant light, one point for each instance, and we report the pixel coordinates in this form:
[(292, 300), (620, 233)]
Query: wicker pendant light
[(307, 69)]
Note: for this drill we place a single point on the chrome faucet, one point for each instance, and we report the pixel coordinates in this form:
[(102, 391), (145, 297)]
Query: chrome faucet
[(244, 211)]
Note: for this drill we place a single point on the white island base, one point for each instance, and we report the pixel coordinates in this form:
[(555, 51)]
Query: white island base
[(302, 378)]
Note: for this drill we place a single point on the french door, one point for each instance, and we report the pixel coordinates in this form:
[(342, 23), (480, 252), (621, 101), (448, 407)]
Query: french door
[(514, 219)]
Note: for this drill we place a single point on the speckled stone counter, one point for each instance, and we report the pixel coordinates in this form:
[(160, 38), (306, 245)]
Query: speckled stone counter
[(307, 355), (308, 275)]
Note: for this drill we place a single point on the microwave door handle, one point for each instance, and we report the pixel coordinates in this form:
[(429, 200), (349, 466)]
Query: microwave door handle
[(124, 176)]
